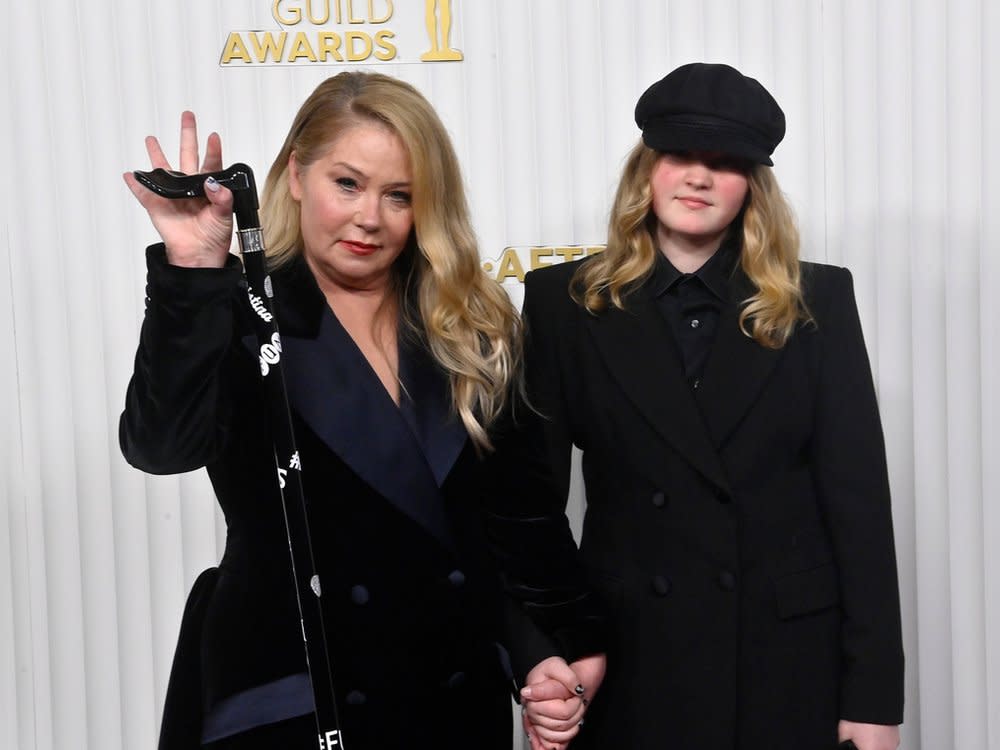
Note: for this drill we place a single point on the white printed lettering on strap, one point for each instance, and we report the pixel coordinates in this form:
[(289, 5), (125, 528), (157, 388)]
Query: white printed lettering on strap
[(270, 353)]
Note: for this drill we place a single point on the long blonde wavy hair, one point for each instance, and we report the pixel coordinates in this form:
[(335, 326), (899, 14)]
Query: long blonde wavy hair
[(769, 253), (443, 296)]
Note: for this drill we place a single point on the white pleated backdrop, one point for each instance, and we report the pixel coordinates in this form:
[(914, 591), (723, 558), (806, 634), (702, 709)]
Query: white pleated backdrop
[(891, 161)]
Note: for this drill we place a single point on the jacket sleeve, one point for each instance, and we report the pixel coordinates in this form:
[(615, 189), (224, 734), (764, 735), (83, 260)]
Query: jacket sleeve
[(849, 465), (175, 406), (528, 527)]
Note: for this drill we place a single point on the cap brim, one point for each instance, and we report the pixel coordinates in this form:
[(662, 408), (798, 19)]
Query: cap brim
[(676, 137)]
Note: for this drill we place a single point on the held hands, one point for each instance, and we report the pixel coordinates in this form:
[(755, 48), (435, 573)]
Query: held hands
[(555, 698), (197, 232), (869, 736)]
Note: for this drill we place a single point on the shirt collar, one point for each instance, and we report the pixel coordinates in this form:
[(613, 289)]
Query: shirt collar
[(714, 273)]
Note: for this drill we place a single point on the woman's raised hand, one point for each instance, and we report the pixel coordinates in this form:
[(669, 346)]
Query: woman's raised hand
[(196, 231)]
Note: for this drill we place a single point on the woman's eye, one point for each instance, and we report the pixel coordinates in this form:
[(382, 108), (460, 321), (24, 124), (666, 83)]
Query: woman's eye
[(401, 197), (347, 183)]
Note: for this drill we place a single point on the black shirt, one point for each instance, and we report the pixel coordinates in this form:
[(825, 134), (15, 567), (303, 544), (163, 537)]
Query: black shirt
[(692, 302)]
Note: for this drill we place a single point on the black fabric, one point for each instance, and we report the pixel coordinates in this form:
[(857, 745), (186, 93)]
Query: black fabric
[(740, 534), (269, 703), (184, 687), (711, 107), (413, 598), (691, 303), (298, 733)]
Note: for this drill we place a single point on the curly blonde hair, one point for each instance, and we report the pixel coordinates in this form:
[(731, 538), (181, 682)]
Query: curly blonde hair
[(769, 253), (444, 297)]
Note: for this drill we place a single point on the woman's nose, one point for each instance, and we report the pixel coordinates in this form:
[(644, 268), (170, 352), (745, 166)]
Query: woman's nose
[(366, 215), (698, 174)]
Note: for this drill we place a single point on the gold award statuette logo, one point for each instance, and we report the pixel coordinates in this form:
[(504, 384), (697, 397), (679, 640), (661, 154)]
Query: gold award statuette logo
[(330, 32), (437, 16)]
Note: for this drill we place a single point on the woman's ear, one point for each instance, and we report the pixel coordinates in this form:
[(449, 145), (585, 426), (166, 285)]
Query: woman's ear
[(294, 178)]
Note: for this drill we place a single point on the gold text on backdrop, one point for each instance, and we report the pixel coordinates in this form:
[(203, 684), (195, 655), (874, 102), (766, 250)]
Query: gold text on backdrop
[(318, 12), (515, 261), (330, 32)]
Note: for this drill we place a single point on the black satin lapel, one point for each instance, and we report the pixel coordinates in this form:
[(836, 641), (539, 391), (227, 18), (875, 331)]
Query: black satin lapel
[(332, 387), (426, 406), (737, 369), (641, 354)]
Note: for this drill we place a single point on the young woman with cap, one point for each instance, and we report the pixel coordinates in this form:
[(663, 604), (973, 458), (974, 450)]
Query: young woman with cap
[(738, 516)]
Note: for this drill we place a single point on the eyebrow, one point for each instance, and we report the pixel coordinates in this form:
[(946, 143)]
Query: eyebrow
[(359, 173)]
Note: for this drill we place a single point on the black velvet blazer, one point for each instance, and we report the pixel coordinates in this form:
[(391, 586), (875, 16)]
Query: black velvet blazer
[(403, 514), (740, 533)]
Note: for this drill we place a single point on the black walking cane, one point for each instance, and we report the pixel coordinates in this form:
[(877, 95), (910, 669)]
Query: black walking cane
[(239, 179)]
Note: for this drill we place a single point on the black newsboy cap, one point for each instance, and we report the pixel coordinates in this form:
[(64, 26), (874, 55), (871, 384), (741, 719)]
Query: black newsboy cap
[(711, 107)]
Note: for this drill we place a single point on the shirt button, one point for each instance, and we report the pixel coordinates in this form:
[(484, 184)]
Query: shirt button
[(456, 680), (659, 499), (695, 323), (356, 698), (727, 581), (359, 595), (661, 586), (456, 578)]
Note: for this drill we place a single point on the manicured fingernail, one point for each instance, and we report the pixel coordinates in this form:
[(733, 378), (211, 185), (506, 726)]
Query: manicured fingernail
[(579, 689), (211, 184), (581, 723), (526, 692)]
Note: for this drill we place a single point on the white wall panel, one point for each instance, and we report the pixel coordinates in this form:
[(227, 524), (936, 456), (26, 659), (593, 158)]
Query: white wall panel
[(514, 52), (483, 123), (891, 352), (550, 106), (989, 265), (15, 672), (891, 162), (54, 656), (9, 457), (929, 242), (962, 284), (592, 164)]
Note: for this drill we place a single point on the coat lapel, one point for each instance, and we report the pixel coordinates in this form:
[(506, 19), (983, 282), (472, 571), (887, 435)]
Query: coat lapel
[(333, 389), (426, 407), (737, 367), (640, 352)]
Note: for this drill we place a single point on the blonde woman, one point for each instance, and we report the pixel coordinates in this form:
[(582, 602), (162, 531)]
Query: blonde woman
[(401, 361), (738, 513)]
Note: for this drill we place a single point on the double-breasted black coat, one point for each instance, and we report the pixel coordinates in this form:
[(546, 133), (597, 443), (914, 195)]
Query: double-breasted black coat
[(400, 505), (739, 533)]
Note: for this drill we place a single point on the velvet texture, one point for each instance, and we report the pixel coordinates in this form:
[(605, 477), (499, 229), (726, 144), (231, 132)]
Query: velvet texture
[(400, 505)]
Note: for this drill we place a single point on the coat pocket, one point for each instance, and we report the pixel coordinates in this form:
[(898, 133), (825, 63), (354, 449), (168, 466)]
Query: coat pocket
[(806, 591)]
